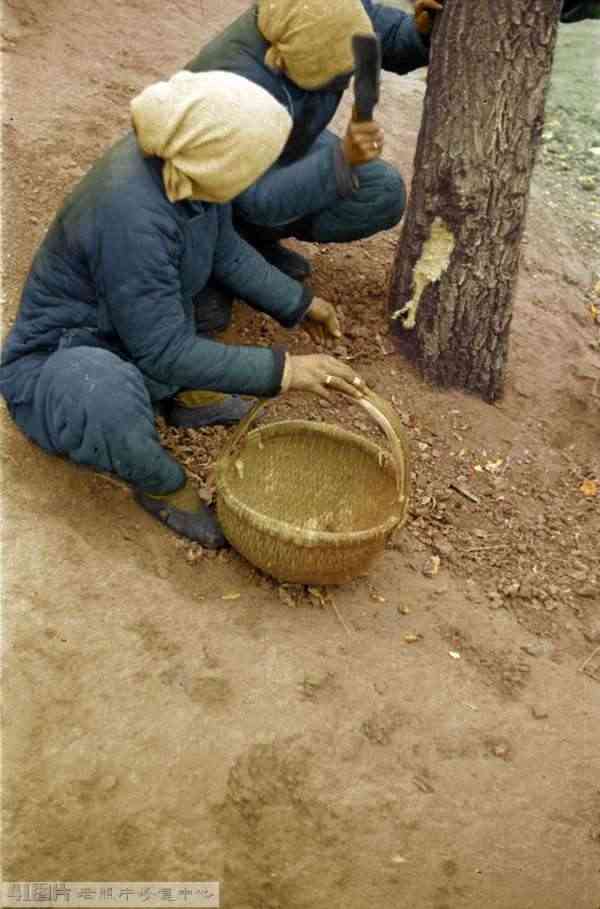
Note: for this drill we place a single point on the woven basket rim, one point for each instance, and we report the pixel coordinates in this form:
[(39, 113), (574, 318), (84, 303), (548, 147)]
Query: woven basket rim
[(326, 429), (284, 530)]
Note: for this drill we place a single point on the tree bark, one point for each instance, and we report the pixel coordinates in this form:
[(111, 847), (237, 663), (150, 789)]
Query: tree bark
[(457, 259)]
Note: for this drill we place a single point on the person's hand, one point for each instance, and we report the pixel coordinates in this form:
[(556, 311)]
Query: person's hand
[(322, 321), (322, 375), (424, 13), (363, 142)]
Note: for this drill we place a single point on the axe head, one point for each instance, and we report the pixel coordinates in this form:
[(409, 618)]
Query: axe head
[(367, 74)]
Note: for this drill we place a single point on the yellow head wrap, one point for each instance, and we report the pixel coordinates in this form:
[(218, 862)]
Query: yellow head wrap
[(311, 40), (216, 131)]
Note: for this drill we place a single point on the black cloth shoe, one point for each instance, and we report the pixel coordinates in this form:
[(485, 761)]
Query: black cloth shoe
[(286, 260), (213, 308), (200, 526), (227, 412), (266, 241)]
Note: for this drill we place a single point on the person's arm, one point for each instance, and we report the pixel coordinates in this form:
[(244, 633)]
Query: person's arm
[(138, 274), (243, 271), (305, 187), (403, 47)]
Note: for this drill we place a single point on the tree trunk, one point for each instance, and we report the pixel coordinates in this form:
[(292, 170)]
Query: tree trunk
[(458, 255)]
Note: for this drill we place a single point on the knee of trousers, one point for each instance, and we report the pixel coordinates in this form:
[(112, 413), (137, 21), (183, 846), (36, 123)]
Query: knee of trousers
[(383, 193), (87, 396), (377, 204), (95, 408)]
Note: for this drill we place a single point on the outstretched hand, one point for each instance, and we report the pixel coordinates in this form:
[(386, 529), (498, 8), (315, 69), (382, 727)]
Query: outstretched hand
[(425, 11), (322, 375)]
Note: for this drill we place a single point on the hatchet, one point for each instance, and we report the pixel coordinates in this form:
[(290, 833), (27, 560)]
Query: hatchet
[(367, 75)]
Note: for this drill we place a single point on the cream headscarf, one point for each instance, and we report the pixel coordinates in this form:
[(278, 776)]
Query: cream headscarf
[(311, 40), (217, 133)]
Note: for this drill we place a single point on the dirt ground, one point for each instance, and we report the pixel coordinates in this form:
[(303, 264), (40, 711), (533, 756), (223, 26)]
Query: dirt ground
[(441, 750)]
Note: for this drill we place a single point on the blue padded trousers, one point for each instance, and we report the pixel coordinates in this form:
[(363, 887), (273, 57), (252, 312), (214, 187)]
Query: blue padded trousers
[(94, 408), (377, 203)]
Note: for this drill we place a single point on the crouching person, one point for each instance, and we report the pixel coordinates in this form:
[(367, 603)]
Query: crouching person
[(321, 189), (117, 313)]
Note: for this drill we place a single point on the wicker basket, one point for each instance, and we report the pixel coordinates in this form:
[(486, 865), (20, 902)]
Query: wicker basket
[(312, 503)]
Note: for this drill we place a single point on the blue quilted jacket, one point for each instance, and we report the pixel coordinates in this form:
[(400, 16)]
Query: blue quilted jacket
[(119, 268)]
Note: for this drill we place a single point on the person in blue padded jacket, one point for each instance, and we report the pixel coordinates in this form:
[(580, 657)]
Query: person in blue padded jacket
[(114, 314), (322, 188)]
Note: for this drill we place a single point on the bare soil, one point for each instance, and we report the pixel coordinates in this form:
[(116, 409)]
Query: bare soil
[(173, 715)]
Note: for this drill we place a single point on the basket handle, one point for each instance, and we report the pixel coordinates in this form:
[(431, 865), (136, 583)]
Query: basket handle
[(389, 422), (243, 428), (381, 412)]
